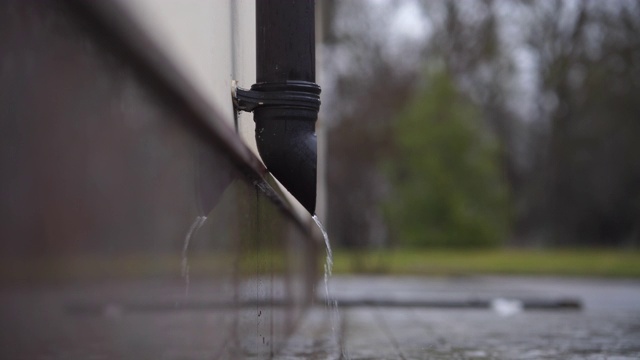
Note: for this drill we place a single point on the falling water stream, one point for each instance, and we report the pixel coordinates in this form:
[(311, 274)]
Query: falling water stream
[(197, 223), (332, 304)]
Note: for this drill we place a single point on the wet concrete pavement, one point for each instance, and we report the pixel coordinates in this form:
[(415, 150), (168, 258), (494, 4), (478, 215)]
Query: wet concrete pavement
[(606, 326), (384, 318)]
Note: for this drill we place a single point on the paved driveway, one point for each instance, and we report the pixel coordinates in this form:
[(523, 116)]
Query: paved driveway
[(413, 321), (381, 318)]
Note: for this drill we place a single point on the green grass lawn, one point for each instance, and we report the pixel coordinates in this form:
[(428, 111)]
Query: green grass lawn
[(592, 262), (582, 263)]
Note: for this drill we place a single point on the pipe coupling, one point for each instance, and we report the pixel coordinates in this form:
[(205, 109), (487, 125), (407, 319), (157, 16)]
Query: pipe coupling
[(301, 95)]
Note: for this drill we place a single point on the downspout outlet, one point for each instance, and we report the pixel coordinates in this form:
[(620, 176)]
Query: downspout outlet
[(285, 115)]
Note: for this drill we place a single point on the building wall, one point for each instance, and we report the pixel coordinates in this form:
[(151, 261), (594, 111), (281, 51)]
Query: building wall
[(132, 224)]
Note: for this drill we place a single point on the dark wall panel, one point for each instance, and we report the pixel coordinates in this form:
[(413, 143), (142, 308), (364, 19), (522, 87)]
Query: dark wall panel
[(127, 232)]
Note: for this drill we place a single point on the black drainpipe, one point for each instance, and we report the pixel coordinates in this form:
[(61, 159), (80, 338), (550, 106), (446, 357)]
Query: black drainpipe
[(285, 99)]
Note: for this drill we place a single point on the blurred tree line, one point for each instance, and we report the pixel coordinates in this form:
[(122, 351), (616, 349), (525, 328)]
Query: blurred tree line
[(483, 122)]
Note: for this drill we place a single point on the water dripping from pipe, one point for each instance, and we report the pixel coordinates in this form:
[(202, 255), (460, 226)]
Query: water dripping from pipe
[(332, 304), (195, 226)]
